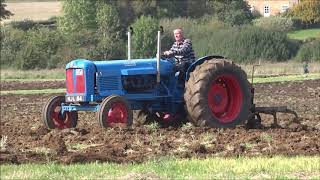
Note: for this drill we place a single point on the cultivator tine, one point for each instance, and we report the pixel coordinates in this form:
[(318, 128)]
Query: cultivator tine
[(274, 110)]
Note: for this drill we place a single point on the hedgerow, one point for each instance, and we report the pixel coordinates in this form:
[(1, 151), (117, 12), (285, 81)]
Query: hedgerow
[(41, 47)]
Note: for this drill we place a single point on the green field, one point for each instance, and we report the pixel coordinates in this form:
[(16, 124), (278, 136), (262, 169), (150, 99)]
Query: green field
[(284, 78), (31, 75), (210, 168), (305, 34)]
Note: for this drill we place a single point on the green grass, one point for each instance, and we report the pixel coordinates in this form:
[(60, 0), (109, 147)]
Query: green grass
[(210, 168), (12, 74), (305, 34), (280, 68), (300, 77)]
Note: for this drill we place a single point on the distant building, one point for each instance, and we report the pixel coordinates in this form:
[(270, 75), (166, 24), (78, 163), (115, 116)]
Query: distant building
[(271, 7)]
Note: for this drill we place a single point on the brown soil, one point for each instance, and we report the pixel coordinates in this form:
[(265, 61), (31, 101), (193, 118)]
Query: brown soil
[(28, 141), (27, 85)]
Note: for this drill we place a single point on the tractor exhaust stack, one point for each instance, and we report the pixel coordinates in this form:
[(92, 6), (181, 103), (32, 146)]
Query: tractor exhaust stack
[(158, 56), (129, 45)]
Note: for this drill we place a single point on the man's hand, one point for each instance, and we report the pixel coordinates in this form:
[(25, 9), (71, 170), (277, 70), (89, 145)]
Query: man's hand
[(167, 53)]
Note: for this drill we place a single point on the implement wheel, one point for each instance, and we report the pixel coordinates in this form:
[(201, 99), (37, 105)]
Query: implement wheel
[(218, 94), (52, 117), (115, 112)]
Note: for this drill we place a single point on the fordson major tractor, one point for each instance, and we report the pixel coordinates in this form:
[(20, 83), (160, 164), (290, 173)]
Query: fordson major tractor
[(215, 92)]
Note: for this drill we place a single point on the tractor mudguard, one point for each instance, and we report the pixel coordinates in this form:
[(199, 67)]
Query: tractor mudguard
[(200, 61)]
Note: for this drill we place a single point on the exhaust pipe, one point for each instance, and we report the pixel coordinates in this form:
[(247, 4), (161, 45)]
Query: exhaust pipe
[(158, 56), (129, 44)]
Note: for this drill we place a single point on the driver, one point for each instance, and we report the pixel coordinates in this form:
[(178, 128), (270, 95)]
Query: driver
[(182, 51)]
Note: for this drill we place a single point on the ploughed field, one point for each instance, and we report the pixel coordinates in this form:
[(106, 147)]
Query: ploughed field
[(30, 85), (24, 138)]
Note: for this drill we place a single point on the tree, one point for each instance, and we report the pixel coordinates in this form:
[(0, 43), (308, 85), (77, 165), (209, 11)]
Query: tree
[(107, 18), (233, 12), (77, 15), (198, 8), (308, 11), (172, 8), (182, 8), (4, 14), (130, 10), (109, 30), (144, 41), (92, 15), (101, 20)]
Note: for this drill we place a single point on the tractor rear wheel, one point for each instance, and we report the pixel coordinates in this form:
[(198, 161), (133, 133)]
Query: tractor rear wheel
[(115, 112), (218, 94), (52, 117)]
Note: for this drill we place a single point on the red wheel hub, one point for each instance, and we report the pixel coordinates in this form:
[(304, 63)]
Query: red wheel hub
[(225, 98), (59, 120), (118, 113)]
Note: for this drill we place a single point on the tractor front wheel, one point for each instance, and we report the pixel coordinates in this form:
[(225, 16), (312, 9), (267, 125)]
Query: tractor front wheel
[(53, 118), (115, 112), (218, 94)]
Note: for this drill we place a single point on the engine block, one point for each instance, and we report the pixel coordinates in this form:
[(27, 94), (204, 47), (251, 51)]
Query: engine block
[(138, 83)]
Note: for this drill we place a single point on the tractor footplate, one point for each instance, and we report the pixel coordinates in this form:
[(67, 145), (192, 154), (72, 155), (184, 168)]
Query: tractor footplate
[(273, 111)]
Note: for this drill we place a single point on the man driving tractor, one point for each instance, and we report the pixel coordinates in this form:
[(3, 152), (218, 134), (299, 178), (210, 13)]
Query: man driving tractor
[(182, 51)]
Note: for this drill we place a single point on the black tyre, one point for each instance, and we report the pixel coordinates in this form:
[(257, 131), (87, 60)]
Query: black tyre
[(52, 117), (115, 112), (218, 94)]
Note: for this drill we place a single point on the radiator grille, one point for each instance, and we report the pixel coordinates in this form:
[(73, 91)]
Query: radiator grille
[(106, 83), (69, 80), (75, 80)]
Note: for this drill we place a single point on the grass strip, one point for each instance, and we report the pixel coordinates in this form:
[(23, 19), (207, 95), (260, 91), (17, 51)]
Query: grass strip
[(211, 168), (300, 77), (40, 91), (304, 34), (13, 74)]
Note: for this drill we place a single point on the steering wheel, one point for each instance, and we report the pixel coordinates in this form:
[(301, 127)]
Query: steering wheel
[(171, 59)]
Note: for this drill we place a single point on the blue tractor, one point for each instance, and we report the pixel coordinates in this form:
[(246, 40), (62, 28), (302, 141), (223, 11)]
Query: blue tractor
[(215, 92)]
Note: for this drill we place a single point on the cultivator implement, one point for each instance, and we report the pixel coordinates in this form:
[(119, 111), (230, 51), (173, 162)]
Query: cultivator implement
[(268, 110), (273, 111)]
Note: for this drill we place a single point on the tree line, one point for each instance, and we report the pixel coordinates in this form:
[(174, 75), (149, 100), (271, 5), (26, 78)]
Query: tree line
[(96, 30)]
